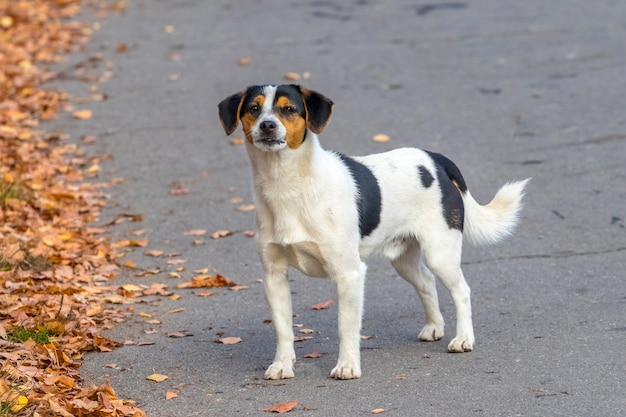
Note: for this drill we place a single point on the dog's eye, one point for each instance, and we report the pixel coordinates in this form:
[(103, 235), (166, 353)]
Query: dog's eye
[(290, 109), (253, 108)]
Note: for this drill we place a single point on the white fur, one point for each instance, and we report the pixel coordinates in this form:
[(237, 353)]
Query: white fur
[(307, 218)]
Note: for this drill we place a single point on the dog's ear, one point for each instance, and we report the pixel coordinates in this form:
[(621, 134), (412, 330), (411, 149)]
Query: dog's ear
[(229, 111), (318, 108)]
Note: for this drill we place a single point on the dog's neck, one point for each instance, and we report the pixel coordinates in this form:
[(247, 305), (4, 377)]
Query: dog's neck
[(286, 170)]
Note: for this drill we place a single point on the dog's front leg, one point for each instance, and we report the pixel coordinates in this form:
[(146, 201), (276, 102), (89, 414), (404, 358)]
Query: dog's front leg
[(350, 289), (278, 296)]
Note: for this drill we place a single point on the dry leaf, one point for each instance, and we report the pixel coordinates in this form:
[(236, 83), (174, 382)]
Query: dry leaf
[(157, 377), (246, 207), (381, 137), (207, 281), (291, 76), (322, 305), (82, 114), (281, 407), (244, 62), (229, 340), (313, 355), (170, 394), (221, 233), (377, 411), (195, 232)]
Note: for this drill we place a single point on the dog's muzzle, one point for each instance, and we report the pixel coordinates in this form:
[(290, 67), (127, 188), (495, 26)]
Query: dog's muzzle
[(268, 137)]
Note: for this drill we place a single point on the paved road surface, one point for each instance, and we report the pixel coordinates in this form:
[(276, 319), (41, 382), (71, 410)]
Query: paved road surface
[(506, 89)]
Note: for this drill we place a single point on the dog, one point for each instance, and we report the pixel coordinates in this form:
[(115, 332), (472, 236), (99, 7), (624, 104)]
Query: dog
[(324, 213)]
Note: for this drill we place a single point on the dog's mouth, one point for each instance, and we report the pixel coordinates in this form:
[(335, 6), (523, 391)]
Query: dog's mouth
[(269, 142)]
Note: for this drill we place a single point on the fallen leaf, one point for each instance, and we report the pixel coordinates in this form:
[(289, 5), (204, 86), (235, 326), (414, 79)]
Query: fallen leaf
[(195, 232), (377, 411), (281, 408), (244, 62), (221, 233), (177, 335), (170, 394), (157, 377), (381, 137), (322, 305), (313, 355), (207, 281), (245, 207), (154, 253), (179, 191), (229, 340), (291, 76), (176, 310), (82, 114)]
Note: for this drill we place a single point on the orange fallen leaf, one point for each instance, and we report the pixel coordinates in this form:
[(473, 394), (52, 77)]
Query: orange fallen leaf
[(281, 407), (207, 281), (245, 207), (322, 305), (157, 377), (313, 355), (381, 137), (82, 114), (377, 411), (170, 394)]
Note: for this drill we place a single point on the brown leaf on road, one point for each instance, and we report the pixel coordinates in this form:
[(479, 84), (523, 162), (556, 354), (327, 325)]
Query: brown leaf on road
[(229, 340), (195, 232), (313, 355), (222, 233), (82, 114), (207, 281), (281, 408), (322, 305), (179, 191), (170, 395), (157, 377)]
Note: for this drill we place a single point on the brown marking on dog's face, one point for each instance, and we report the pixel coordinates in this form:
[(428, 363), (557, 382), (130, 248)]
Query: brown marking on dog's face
[(291, 115), (251, 107)]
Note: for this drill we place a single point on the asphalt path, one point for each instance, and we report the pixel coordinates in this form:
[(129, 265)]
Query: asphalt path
[(506, 89)]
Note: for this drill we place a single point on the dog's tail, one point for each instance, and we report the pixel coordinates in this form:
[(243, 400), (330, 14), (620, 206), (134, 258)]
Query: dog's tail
[(494, 221)]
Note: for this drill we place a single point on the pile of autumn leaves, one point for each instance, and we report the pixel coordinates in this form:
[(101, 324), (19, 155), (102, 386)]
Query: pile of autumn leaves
[(53, 262)]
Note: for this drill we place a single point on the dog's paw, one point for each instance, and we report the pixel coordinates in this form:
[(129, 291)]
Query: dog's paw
[(280, 370), (346, 371), (461, 344), (431, 333)]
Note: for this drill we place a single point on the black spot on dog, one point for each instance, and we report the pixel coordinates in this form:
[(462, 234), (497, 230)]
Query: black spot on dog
[(452, 171), (452, 184), (425, 176), (369, 200)]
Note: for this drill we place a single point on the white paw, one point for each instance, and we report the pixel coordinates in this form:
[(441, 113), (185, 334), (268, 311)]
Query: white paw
[(280, 370), (431, 332), (346, 370), (461, 344)]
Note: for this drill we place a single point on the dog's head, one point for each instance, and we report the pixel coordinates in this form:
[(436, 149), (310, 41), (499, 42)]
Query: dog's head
[(275, 116)]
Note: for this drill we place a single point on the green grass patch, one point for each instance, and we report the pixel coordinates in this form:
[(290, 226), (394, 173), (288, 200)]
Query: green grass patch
[(21, 335)]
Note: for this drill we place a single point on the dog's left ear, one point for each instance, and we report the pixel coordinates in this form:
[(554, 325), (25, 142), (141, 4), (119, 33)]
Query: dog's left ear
[(318, 108), (228, 111)]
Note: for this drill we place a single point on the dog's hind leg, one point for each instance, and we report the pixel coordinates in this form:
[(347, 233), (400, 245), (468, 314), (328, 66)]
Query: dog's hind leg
[(410, 267), (443, 257), (278, 296)]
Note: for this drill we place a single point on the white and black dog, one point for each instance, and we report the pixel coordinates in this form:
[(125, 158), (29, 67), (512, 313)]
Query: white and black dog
[(324, 213)]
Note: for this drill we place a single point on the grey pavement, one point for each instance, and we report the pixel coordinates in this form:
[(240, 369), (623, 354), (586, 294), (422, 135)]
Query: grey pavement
[(506, 89)]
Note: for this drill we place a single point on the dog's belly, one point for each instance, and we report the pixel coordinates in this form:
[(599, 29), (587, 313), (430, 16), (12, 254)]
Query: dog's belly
[(307, 258)]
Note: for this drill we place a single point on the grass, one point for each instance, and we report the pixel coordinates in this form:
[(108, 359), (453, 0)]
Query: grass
[(12, 190), (21, 335)]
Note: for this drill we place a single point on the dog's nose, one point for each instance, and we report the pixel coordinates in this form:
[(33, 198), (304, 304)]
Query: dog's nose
[(267, 126)]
